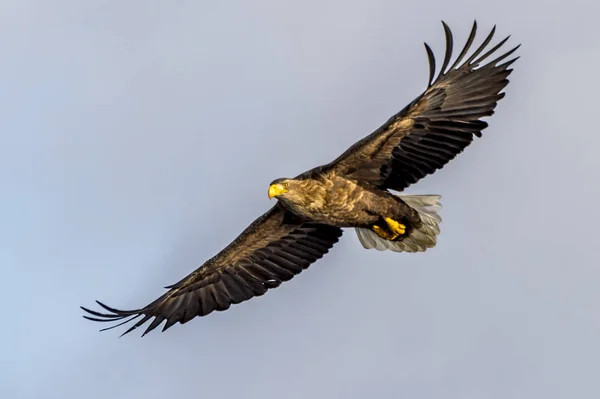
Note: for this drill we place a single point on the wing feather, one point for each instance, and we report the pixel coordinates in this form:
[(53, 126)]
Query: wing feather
[(273, 249), (439, 124)]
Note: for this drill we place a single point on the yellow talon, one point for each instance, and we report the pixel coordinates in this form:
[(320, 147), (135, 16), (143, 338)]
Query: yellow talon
[(396, 228), (383, 233), (393, 231)]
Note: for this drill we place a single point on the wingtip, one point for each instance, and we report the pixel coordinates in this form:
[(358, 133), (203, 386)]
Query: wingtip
[(90, 311), (446, 27), (113, 310), (129, 330)]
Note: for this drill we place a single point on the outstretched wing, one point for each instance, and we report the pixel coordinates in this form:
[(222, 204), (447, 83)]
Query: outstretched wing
[(437, 125), (273, 249)]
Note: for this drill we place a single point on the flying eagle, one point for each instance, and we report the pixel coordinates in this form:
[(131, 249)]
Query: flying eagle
[(353, 191)]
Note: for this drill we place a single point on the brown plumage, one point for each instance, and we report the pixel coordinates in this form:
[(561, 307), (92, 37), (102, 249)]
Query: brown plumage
[(350, 192)]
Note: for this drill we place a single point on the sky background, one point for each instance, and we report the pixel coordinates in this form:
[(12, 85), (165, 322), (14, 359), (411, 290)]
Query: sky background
[(138, 138)]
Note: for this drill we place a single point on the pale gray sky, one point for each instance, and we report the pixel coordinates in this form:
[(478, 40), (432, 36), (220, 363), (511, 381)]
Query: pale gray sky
[(139, 138)]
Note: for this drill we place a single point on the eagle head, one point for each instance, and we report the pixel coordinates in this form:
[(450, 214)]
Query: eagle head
[(279, 187)]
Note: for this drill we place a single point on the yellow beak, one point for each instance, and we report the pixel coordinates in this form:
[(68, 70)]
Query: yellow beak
[(276, 189)]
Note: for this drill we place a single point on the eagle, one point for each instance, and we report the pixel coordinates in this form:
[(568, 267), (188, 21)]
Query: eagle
[(355, 191)]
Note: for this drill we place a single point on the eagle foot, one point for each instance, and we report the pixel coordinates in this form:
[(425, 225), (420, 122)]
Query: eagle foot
[(396, 228), (393, 231)]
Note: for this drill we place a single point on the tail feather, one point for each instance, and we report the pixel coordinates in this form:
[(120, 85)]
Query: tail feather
[(420, 239)]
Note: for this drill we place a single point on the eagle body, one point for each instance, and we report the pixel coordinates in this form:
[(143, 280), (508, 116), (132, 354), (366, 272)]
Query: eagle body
[(323, 196), (360, 190)]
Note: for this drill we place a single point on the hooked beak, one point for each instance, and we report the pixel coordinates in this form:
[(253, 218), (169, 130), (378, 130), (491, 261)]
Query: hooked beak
[(275, 190)]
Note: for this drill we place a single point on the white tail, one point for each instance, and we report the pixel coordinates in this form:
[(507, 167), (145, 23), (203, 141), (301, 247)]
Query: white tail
[(420, 239)]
